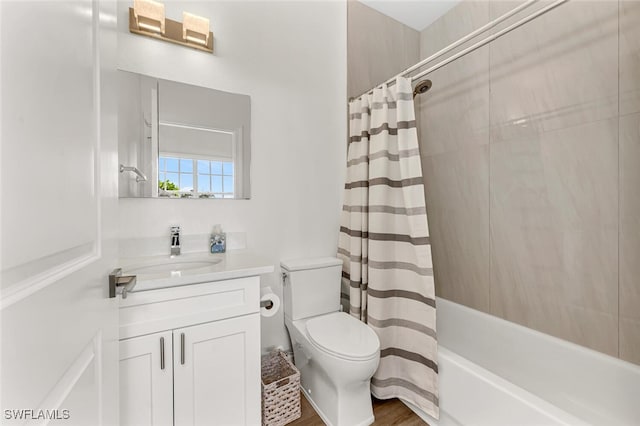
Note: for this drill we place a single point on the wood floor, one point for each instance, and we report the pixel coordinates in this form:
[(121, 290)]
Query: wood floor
[(387, 413)]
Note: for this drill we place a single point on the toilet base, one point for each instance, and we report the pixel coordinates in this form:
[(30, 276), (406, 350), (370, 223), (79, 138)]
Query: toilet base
[(337, 403), (339, 389), (324, 418)]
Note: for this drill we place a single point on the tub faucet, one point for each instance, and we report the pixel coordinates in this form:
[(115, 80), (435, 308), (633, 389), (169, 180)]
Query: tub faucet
[(175, 240)]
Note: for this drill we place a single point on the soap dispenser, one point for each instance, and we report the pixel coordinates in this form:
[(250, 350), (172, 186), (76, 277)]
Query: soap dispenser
[(218, 240)]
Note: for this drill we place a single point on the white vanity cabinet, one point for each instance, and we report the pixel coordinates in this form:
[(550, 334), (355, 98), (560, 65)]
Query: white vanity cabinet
[(146, 380), (190, 355), (213, 382)]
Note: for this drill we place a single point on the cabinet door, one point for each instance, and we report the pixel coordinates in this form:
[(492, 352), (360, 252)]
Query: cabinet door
[(146, 380), (217, 373)]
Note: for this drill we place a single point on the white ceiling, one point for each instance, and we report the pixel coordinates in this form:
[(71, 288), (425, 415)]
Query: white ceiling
[(417, 14)]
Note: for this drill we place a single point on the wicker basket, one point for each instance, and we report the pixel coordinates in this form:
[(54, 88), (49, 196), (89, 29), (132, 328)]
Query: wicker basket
[(280, 390)]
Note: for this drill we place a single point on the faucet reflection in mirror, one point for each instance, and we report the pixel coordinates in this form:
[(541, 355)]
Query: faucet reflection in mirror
[(191, 142)]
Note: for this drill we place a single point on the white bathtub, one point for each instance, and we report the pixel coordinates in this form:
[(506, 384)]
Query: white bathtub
[(497, 373)]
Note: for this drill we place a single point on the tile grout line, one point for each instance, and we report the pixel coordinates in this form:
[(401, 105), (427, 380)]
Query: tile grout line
[(489, 165), (619, 181)]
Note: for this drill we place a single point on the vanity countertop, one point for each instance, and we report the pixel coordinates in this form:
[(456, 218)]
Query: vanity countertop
[(154, 272)]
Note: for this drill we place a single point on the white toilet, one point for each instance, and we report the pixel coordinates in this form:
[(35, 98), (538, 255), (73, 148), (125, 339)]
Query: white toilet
[(335, 353)]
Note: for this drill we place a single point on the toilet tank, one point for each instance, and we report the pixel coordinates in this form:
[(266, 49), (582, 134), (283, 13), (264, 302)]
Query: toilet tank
[(311, 287)]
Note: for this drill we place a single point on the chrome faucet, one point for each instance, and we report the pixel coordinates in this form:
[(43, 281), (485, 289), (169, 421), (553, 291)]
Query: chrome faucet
[(175, 240)]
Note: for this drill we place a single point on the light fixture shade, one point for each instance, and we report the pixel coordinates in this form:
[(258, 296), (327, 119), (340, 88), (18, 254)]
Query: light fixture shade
[(147, 18), (149, 15), (195, 28)]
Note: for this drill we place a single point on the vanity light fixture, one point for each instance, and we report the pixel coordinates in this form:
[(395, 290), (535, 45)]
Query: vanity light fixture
[(195, 29), (147, 18)]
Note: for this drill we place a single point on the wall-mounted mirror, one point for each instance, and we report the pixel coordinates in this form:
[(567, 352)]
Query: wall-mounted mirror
[(176, 140)]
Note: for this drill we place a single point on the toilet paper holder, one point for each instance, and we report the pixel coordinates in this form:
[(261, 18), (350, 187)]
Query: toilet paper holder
[(266, 304)]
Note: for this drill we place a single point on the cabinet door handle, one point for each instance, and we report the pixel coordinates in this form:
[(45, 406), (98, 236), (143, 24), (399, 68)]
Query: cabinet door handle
[(182, 348), (162, 353)]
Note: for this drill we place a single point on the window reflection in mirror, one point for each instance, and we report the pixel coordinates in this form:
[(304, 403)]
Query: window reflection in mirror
[(191, 142), (189, 177)]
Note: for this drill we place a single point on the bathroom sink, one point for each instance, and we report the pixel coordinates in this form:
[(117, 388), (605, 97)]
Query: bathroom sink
[(172, 265), (164, 271)]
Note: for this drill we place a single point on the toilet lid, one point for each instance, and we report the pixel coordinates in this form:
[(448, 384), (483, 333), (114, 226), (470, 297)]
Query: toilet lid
[(343, 336)]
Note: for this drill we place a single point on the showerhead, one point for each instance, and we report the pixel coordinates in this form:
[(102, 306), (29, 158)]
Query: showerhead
[(422, 87)]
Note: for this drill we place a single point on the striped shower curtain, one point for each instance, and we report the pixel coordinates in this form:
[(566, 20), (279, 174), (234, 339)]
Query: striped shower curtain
[(387, 278)]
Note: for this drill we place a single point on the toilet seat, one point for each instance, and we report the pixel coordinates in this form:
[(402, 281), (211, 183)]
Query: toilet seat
[(343, 336)]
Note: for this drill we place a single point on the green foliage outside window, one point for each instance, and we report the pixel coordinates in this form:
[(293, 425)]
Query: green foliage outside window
[(167, 185)]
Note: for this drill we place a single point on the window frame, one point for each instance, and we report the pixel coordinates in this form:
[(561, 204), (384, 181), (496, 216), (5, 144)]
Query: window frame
[(194, 193)]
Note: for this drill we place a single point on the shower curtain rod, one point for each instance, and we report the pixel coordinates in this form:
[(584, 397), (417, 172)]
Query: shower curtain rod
[(476, 45)]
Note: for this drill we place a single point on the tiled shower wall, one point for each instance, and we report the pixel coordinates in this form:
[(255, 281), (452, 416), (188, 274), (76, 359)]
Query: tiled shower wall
[(531, 159), (378, 47)]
